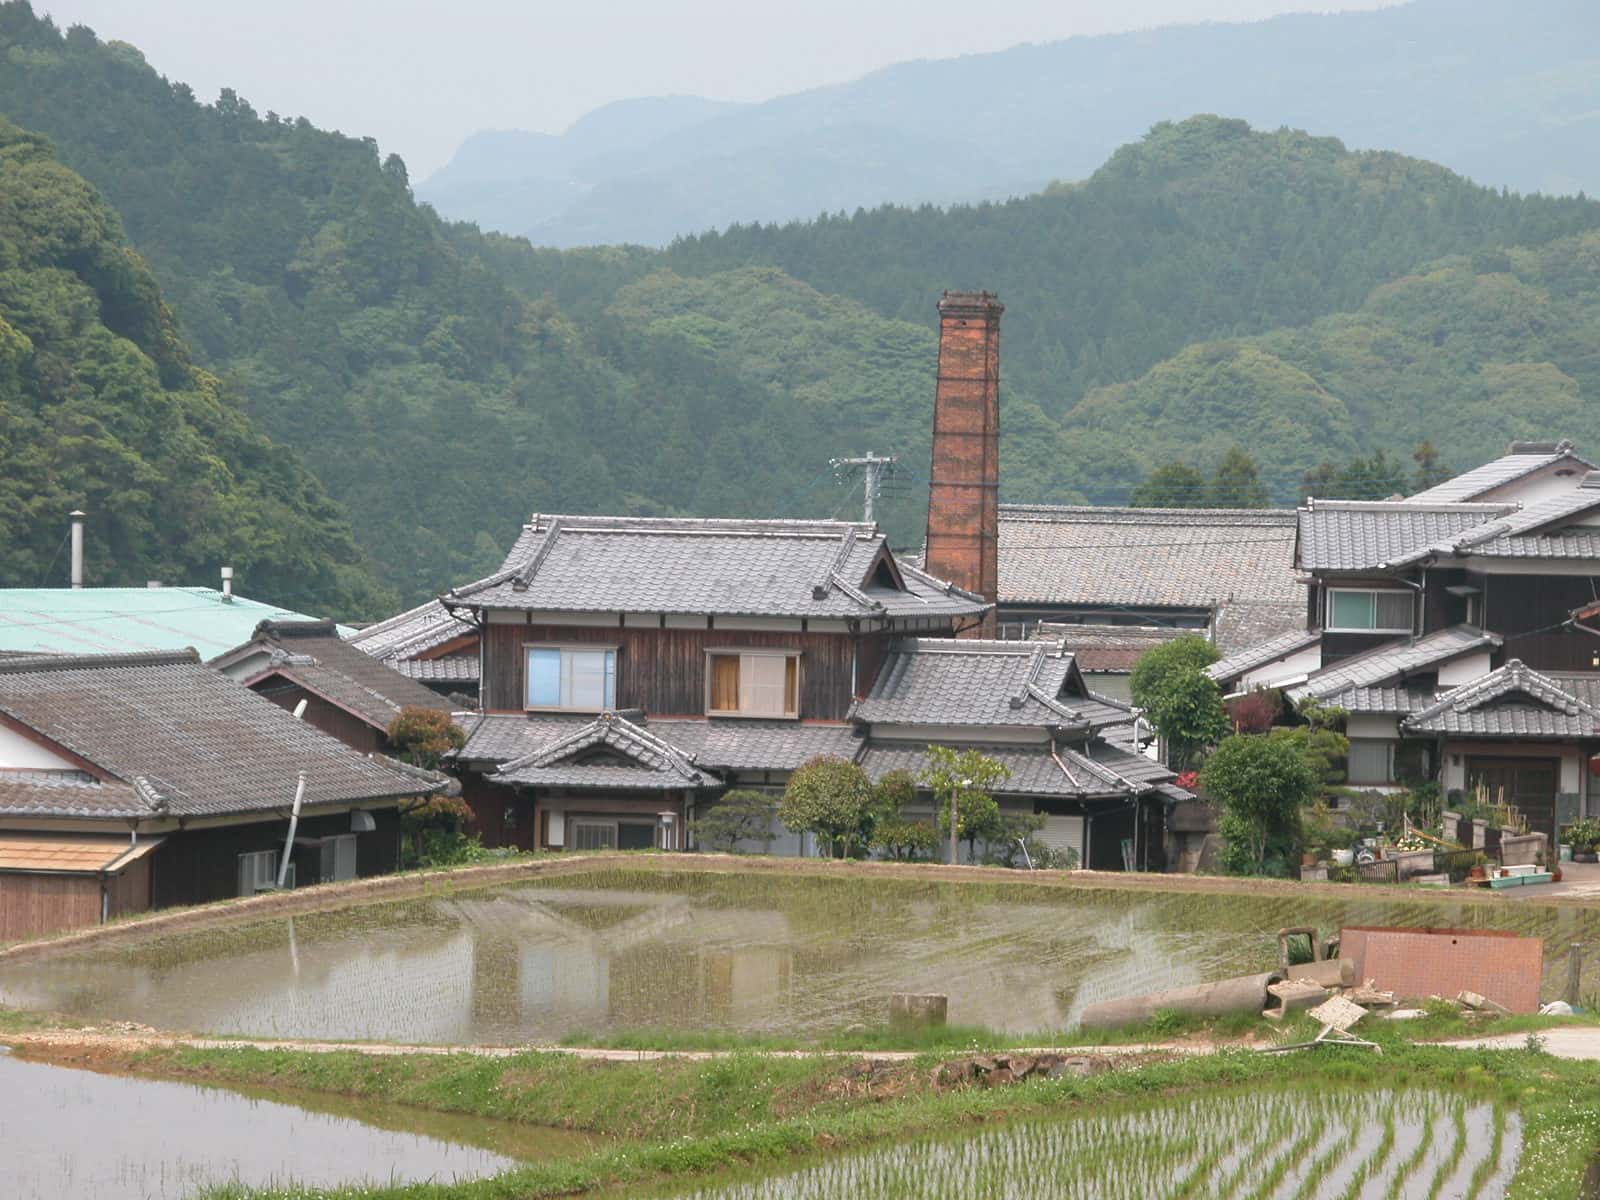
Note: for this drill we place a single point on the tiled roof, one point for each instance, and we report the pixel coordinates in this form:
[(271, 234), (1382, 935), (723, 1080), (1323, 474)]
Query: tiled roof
[(1107, 648), (609, 751), (1381, 700), (188, 739), (1245, 661), (1241, 624), (950, 681), (1512, 701), (717, 567), (127, 620), (1154, 557), (417, 630), (500, 737), (1357, 535), (1394, 661), (750, 745), (1093, 771), (311, 654), (1524, 459), (453, 668), (1584, 685), (41, 795)]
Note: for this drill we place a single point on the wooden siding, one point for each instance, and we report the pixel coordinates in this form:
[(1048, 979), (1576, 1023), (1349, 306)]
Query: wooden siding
[(501, 816), (31, 905), (330, 718), (1522, 608), (663, 671)]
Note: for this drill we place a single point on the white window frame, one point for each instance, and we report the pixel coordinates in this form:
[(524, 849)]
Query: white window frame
[(1330, 627), (753, 652), (608, 685)]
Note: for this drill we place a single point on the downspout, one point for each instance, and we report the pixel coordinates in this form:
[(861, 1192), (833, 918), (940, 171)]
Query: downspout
[(294, 825)]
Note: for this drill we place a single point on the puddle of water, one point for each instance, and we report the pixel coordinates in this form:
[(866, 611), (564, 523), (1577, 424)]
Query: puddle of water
[(751, 953), (1254, 1143), (79, 1133)]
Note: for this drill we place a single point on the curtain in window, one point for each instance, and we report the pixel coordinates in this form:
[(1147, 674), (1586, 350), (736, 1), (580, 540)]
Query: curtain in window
[(725, 683), (791, 685)]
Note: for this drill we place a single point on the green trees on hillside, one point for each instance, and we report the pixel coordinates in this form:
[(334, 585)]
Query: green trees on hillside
[(101, 409), (1236, 483)]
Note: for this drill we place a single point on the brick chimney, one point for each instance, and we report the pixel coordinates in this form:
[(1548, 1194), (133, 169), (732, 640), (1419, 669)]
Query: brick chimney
[(964, 487)]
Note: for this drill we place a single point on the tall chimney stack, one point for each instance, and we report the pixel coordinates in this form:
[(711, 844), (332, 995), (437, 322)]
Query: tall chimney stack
[(964, 488), (76, 517)]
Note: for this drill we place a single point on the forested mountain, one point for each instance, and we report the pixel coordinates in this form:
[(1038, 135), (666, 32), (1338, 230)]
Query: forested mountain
[(1209, 285), (100, 408), (1504, 91)]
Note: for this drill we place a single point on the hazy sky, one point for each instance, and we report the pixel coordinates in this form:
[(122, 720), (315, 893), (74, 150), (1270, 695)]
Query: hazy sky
[(420, 75)]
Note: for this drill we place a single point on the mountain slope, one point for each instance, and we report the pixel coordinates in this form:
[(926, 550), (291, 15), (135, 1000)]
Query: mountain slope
[(100, 408), (1507, 93)]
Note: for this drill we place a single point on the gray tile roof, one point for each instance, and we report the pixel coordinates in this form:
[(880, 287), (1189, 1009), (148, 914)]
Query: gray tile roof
[(416, 631), (1524, 459), (1512, 701), (501, 737), (717, 567), (312, 655), (453, 668), (751, 745), (607, 752), (1360, 535), (1394, 661), (1241, 624), (188, 739), (1151, 557), (1094, 771), (1231, 667), (1381, 701), (39, 795), (958, 681)]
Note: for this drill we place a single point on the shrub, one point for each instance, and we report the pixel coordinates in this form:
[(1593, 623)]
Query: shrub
[(1181, 700), (961, 780), (831, 798), (423, 736), (1259, 785), (741, 815), (894, 833)]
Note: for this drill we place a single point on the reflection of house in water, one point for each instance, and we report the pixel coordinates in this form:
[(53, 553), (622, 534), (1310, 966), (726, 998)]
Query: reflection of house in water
[(556, 960)]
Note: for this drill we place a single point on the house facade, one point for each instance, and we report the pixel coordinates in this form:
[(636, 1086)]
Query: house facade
[(1453, 627), (138, 781)]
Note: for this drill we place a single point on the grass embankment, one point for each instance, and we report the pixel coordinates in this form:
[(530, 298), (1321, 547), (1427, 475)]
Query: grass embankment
[(687, 1119)]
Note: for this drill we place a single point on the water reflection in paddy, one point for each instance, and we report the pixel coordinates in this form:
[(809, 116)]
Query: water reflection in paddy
[(78, 1133), (755, 953)]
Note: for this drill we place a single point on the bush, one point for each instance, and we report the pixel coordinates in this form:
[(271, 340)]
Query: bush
[(961, 779), (450, 848), (1584, 835), (831, 798), (741, 815), (1260, 784), (894, 834), (1181, 700), (423, 736)]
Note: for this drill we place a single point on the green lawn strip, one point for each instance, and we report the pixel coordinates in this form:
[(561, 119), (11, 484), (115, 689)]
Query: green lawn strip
[(1559, 1102)]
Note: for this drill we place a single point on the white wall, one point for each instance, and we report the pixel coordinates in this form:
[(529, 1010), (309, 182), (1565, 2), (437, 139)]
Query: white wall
[(1302, 662), (1463, 670), (18, 753)]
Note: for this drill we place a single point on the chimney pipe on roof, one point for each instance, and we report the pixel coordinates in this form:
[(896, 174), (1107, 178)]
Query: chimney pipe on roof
[(227, 585), (76, 517), (964, 482)]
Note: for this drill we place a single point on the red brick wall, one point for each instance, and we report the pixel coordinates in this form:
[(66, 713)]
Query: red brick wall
[(964, 493)]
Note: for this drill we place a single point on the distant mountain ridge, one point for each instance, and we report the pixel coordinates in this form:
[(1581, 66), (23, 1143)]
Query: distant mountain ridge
[(1506, 93)]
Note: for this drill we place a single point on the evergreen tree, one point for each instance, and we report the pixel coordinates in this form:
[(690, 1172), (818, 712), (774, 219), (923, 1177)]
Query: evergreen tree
[(1236, 483), (1174, 485)]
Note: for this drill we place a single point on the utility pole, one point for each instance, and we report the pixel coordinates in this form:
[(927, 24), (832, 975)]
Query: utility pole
[(873, 468)]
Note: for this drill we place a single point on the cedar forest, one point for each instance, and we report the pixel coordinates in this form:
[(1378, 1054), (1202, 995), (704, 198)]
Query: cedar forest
[(232, 336)]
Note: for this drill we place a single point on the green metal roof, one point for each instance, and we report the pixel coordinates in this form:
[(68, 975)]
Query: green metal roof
[(108, 619)]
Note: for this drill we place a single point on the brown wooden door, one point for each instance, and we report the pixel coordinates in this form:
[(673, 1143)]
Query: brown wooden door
[(1529, 783)]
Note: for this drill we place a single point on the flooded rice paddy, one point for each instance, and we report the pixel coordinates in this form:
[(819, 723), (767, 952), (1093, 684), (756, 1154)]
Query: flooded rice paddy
[(1287, 1145), (78, 1133), (757, 953)]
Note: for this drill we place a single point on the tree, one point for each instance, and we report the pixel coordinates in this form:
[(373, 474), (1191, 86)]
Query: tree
[(1320, 741), (960, 780), (1321, 482), (1374, 478), (1259, 784), (423, 736), (1237, 483), (1183, 703), (741, 815), (1174, 485), (831, 798), (894, 833), (1431, 469), (1255, 711)]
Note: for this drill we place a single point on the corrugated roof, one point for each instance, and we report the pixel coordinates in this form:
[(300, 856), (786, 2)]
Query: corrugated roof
[(189, 740), (123, 620), (1150, 557), (1394, 661), (958, 681), (1525, 458), (717, 567)]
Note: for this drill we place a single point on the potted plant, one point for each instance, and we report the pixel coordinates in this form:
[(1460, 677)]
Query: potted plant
[(1584, 836)]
